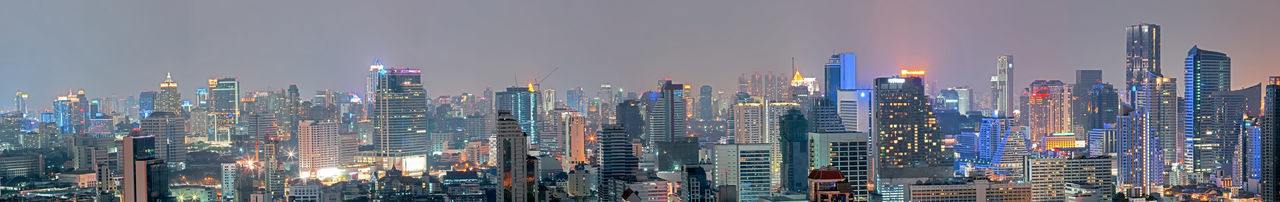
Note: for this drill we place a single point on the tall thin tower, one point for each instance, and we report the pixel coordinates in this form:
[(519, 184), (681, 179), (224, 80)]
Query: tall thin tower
[(1000, 84), (1142, 55)]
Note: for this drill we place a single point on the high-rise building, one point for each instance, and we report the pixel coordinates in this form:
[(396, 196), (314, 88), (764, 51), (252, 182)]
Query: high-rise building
[(515, 177), (1103, 107), (169, 100), (170, 136), (745, 167), (794, 146), (706, 107), (976, 189), (371, 81), (850, 153), (1001, 147), (905, 131), (145, 177), (401, 122), (20, 103), (318, 146), (570, 132), (758, 122), (522, 102), (146, 103), (1142, 57), (1139, 156), (1270, 124), (667, 116), (955, 99), (1158, 103), (1207, 72), (840, 73), (1081, 100), (224, 105), (1048, 109), (1230, 125), (617, 159), (1049, 176), (574, 99), (1000, 83), (628, 113)]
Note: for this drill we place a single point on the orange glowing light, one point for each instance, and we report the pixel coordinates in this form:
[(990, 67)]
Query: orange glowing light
[(906, 72)]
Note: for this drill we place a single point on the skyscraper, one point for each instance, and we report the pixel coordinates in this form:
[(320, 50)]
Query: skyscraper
[(667, 119), (1139, 155), (617, 160), (1081, 99), (850, 153), (146, 103), (317, 146), (744, 167), (1270, 123), (20, 103), (840, 74), (1104, 106), (628, 113), (794, 147), (522, 102), (1208, 72), (1049, 176), (515, 180), (574, 98), (1000, 90), (400, 123), (1142, 56), (371, 81), (224, 105), (169, 100), (905, 130), (170, 135), (145, 177), (1232, 113), (706, 107), (1158, 104), (1048, 109)]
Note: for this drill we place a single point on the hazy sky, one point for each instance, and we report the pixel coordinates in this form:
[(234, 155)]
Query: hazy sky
[(122, 47)]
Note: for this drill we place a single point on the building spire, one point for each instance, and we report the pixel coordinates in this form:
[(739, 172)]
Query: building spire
[(168, 77)]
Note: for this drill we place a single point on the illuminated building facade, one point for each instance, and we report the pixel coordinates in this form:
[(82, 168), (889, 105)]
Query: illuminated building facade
[(515, 174), (1270, 125), (1000, 90), (522, 102), (1142, 57), (1207, 72), (1158, 101), (400, 123), (170, 134), (1048, 109), (840, 73), (318, 146), (667, 116), (745, 167), (905, 130), (224, 106), (849, 153), (1049, 176), (168, 99)]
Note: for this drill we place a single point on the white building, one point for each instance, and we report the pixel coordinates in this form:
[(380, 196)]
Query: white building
[(317, 146), (745, 167)]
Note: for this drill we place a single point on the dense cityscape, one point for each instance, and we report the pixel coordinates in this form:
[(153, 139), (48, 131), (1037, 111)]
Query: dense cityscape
[(774, 136)]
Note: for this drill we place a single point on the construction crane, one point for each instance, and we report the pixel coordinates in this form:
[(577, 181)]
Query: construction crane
[(538, 83)]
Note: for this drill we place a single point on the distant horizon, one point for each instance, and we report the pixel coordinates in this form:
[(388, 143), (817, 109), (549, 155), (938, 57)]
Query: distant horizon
[(123, 48)]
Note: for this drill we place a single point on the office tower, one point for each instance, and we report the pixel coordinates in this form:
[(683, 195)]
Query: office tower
[(224, 106), (905, 131), (400, 123), (706, 107), (617, 159), (667, 116), (1104, 106), (840, 73), (318, 146), (570, 132), (1142, 57), (794, 146), (605, 96), (1207, 72), (744, 166), (1049, 176), (170, 136), (1158, 101), (202, 97), (145, 177), (20, 103), (1232, 113), (850, 153), (522, 102), (628, 113), (371, 81), (271, 167), (757, 122), (548, 100), (1139, 156), (826, 117), (1048, 109), (1000, 83), (146, 103), (515, 180), (976, 189), (855, 109), (169, 100), (1081, 99), (574, 99), (697, 186), (1001, 147), (1270, 124)]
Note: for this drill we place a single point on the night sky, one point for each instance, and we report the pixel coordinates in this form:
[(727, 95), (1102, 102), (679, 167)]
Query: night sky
[(122, 47)]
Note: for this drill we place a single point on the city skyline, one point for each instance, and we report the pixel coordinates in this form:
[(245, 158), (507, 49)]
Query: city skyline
[(327, 45)]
